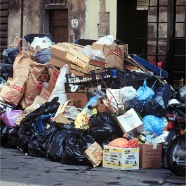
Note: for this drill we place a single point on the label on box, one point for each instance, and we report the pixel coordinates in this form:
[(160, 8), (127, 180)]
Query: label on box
[(121, 158), (129, 121)]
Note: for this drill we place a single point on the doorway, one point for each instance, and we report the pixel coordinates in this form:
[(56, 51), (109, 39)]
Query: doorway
[(58, 24)]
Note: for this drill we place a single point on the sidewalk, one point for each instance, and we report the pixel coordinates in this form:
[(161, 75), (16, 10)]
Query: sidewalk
[(18, 169)]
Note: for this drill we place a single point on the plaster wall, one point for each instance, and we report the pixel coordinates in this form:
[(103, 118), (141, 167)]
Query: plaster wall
[(14, 20)]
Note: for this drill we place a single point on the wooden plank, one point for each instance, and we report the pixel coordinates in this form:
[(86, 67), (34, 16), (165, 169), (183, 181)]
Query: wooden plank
[(3, 20), (3, 6), (3, 1), (3, 41), (4, 13), (3, 34), (3, 27), (3, 47)]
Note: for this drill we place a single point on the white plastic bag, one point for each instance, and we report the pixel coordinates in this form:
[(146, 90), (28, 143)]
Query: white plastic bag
[(128, 93), (93, 54), (59, 89), (43, 42), (108, 40)]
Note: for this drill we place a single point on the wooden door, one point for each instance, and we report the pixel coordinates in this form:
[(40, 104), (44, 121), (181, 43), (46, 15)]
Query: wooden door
[(58, 25)]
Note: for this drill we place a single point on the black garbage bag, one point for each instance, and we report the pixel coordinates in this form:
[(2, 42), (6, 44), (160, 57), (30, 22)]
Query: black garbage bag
[(136, 104), (9, 136), (28, 129), (132, 78), (6, 71), (38, 145), (75, 144), (9, 55), (42, 56), (104, 128), (158, 104), (163, 95), (56, 148), (152, 108)]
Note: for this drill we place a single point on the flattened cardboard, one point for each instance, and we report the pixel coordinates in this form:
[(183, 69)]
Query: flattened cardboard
[(94, 154), (79, 99)]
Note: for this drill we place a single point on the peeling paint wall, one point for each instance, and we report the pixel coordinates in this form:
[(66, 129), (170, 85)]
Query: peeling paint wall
[(88, 19), (14, 20), (32, 17), (77, 16)]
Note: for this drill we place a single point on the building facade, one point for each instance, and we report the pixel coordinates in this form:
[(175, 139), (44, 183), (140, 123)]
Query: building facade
[(154, 30)]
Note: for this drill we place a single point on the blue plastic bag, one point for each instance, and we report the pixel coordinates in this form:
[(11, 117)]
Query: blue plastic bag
[(153, 124), (144, 92), (9, 55), (42, 56)]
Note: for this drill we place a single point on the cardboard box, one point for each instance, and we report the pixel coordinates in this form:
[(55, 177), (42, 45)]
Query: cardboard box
[(94, 154), (120, 158), (53, 79), (58, 53), (77, 58), (79, 99), (130, 121), (150, 156), (114, 54)]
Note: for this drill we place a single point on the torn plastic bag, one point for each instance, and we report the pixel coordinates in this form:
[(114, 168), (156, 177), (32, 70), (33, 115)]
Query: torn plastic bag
[(9, 136), (42, 56), (144, 92), (104, 128), (75, 145), (28, 129), (9, 55), (153, 124)]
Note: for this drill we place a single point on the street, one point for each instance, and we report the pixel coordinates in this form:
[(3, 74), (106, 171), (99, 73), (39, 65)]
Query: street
[(18, 169)]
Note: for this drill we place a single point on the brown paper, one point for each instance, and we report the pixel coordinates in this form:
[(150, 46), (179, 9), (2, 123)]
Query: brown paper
[(94, 154), (21, 67), (38, 74), (13, 90)]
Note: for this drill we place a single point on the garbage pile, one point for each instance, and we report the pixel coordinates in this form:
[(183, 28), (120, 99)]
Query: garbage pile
[(82, 105)]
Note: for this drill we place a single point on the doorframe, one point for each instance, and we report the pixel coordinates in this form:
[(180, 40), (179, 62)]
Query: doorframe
[(49, 7)]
